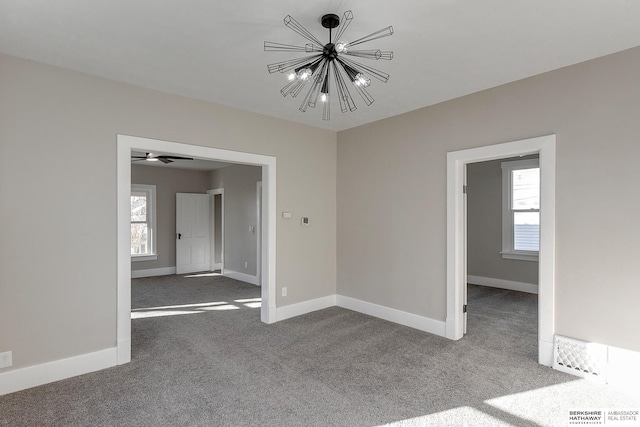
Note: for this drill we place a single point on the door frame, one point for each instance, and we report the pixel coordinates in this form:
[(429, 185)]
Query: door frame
[(259, 232), (545, 147), (212, 216), (125, 145)]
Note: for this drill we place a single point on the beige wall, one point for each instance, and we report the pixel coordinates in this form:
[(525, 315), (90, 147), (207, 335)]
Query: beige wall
[(58, 221), (240, 212), (168, 182), (392, 194), (484, 227)]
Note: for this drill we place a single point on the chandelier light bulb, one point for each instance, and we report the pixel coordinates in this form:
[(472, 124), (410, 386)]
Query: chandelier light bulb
[(342, 46), (362, 80), (291, 76), (324, 97), (304, 74)]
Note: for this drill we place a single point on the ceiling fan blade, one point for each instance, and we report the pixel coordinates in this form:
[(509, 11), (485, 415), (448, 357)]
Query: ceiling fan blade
[(164, 160), (175, 157), (138, 157), (138, 160)]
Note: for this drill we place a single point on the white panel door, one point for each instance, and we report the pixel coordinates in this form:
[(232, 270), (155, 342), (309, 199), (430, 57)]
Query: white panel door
[(192, 233)]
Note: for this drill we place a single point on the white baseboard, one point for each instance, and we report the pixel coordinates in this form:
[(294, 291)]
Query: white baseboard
[(426, 324), (152, 272), (624, 367), (241, 277), (545, 353), (293, 310), (503, 284), (33, 376)]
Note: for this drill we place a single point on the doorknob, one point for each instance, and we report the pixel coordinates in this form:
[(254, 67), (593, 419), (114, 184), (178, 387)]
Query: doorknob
[(179, 236)]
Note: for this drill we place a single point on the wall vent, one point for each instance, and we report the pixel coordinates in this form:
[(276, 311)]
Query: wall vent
[(580, 358)]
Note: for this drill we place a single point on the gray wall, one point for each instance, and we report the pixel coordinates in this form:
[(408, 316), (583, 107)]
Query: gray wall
[(58, 222), (168, 182), (484, 227), (240, 212), (392, 225)]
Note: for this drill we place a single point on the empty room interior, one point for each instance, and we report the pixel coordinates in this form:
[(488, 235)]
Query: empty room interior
[(337, 213)]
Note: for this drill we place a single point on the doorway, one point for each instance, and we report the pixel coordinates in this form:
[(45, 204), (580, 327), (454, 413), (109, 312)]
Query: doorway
[(125, 145), (456, 234)]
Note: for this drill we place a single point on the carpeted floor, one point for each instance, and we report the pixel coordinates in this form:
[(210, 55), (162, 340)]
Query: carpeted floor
[(201, 357)]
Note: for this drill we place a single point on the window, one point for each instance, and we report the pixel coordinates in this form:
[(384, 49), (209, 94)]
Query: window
[(143, 222), (521, 209)]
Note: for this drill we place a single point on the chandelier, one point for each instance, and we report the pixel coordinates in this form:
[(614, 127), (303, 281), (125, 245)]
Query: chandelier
[(330, 66)]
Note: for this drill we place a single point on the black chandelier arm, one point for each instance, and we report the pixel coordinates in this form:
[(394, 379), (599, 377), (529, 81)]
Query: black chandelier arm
[(290, 64), (370, 54), (318, 86), (281, 47), (312, 95), (342, 89), (298, 28), (385, 32), (326, 108), (370, 71), (344, 23)]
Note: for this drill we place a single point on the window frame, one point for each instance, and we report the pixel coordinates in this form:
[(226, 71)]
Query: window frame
[(508, 251), (150, 191)]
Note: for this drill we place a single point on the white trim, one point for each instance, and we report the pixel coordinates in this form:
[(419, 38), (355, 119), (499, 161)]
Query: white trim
[(126, 144), (426, 324), (258, 229), (508, 252), (294, 310), (456, 236), (520, 255), (152, 272), (243, 277), (150, 191), (33, 376), (138, 258), (212, 194), (624, 368), (503, 284)]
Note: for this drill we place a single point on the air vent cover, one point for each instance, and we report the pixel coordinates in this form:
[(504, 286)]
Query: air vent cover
[(580, 358)]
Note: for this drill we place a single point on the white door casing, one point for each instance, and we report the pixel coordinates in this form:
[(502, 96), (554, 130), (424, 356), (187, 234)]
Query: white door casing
[(192, 233), (126, 144), (216, 239), (545, 146)]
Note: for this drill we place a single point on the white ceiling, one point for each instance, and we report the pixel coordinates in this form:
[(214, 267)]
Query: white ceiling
[(213, 50)]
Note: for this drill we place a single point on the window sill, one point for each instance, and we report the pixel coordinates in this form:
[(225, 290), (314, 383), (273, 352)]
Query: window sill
[(522, 256), (136, 258)]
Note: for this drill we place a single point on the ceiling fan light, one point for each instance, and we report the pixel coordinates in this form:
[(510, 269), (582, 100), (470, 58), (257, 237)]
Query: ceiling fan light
[(152, 159)]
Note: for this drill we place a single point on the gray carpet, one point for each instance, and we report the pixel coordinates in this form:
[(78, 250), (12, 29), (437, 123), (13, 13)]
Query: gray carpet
[(213, 363)]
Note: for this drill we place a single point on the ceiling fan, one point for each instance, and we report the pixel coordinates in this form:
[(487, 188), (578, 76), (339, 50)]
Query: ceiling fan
[(150, 157)]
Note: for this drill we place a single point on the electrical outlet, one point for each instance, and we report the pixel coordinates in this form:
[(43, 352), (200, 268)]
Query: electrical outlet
[(284, 291), (5, 359)]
